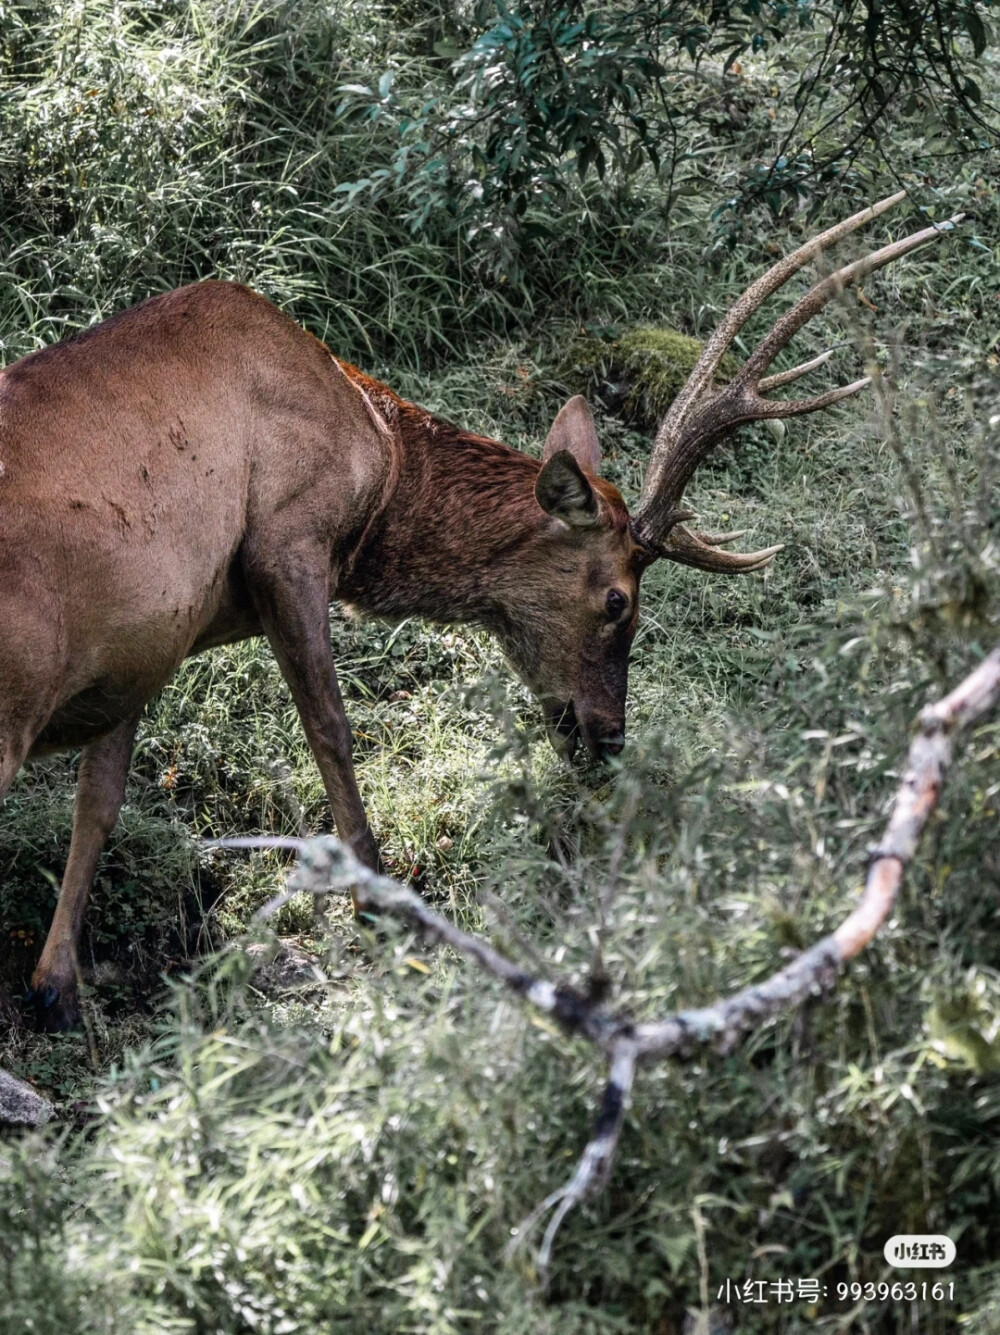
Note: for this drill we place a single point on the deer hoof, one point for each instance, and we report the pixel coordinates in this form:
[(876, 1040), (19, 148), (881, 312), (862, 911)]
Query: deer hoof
[(52, 1010)]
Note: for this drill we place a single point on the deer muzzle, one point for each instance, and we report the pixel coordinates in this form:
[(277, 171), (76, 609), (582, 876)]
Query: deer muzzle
[(602, 736)]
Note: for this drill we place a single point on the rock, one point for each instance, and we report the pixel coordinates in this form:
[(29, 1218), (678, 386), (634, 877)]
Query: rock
[(281, 966), (20, 1105)]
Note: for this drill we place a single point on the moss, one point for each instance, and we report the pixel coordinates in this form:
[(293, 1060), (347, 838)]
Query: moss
[(639, 374), (656, 362)]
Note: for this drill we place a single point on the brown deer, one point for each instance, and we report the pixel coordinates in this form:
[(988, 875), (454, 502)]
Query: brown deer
[(199, 469)]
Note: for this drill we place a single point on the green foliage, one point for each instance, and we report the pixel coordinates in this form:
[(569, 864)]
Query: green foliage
[(541, 93), (965, 1025), (355, 1155)]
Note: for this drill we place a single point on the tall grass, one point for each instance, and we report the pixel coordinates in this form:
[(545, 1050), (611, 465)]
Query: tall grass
[(353, 1155)]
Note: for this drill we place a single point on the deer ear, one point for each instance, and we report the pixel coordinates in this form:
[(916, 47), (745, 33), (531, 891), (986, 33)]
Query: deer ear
[(562, 490), (574, 430)]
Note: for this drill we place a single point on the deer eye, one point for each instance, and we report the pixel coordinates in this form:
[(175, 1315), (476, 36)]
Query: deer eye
[(615, 603)]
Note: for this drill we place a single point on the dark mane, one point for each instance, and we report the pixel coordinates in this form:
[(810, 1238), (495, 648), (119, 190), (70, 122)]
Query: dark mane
[(491, 465), (414, 422)]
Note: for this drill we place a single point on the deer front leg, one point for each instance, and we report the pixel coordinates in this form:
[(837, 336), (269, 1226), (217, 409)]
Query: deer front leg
[(294, 607), (100, 792)]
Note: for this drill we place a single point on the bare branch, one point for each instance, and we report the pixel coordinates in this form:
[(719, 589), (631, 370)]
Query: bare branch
[(594, 1168), (816, 968), (327, 865)]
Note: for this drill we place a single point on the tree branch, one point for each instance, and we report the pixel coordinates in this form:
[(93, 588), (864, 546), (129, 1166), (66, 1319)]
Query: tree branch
[(326, 865)]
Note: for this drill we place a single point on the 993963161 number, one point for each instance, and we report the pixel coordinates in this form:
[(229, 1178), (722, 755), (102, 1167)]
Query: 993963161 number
[(899, 1291)]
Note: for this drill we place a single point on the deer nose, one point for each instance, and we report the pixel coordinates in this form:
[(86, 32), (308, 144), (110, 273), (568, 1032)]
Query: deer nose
[(612, 746)]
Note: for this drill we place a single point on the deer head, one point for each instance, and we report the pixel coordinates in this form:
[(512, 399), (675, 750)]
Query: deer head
[(579, 667), (578, 663)]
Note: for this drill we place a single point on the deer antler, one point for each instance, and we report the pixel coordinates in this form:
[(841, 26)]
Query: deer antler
[(699, 418)]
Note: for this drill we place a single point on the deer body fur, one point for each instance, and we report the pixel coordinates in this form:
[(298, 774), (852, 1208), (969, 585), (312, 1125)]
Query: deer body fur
[(146, 464)]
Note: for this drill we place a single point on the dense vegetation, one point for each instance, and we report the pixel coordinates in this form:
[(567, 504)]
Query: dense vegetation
[(353, 1152)]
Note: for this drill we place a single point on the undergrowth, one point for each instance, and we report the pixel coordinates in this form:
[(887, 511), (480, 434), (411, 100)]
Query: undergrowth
[(354, 1155)]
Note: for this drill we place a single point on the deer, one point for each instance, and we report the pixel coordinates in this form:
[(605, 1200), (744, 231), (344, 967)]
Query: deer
[(199, 469)]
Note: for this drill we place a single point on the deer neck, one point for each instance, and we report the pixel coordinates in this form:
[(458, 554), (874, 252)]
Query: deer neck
[(451, 539)]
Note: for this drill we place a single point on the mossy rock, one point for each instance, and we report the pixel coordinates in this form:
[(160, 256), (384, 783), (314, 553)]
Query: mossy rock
[(638, 375)]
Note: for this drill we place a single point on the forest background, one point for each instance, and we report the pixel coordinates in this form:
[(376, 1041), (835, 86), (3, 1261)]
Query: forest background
[(490, 207)]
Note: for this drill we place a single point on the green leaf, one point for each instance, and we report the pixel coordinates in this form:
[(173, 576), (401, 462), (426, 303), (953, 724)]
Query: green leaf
[(977, 31)]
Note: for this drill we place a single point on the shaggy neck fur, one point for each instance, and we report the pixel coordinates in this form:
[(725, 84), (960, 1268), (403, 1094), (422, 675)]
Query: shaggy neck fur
[(460, 517)]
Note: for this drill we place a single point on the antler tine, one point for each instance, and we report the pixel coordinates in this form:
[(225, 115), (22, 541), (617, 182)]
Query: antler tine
[(723, 539), (733, 321), (817, 297), (796, 407), (679, 449), (796, 372), (701, 550)]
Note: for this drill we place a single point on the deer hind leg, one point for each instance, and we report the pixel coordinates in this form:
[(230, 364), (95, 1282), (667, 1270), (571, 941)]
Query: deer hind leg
[(27, 693), (99, 794), (14, 746)]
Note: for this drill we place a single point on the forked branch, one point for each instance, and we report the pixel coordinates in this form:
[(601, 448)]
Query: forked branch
[(326, 865), (699, 417)]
